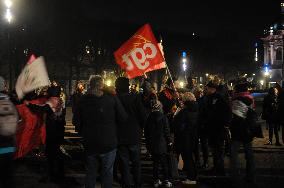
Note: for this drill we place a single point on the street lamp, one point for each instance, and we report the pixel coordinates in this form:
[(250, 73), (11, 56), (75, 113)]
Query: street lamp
[(184, 65), (9, 17)]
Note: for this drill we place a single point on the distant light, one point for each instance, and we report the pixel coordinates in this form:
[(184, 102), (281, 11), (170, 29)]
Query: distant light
[(266, 73), (231, 84), (181, 84), (108, 83), (88, 51), (253, 74), (184, 60), (245, 75), (184, 54), (193, 34), (184, 67), (261, 82), (255, 45), (8, 15), (206, 74), (8, 3)]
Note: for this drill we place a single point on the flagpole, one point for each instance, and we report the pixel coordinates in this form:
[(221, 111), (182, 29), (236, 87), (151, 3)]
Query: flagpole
[(167, 68)]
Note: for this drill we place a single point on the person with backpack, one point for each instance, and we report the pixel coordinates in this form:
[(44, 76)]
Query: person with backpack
[(158, 141), (55, 121), (242, 120), (8, 126)]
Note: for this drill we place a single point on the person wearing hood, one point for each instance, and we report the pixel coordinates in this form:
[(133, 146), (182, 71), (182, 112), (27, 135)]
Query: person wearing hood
[(158, 141), (185, 129), (55, 121), (129, 133)]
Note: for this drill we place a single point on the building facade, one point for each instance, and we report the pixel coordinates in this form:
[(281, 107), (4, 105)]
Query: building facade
[(273, 51)]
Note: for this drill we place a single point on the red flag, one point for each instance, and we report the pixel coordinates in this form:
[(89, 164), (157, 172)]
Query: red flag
[(140, 53), (31, 132)]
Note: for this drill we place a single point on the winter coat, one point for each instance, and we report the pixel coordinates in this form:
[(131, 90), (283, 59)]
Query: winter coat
[(185, 127), (239, 127), (96, 120), (269, 109), (75, 98), (216, 115), (130, 131), (157, 133)]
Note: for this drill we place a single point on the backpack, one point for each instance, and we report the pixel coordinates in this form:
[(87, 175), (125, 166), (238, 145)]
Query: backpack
[(254, 127), (8, 117)]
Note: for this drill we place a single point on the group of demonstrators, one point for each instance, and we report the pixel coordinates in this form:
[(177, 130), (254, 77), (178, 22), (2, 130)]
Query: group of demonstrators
[(172, 122), (113, 123)]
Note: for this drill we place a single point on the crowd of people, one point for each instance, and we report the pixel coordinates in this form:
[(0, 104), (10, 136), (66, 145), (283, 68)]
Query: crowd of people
[(173, 123)]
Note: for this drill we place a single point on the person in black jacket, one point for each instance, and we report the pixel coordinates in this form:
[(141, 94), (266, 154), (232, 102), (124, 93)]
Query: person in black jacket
[(201, 134), (96, 119), (55, 122), (76, 96), (242, 101), (217, 116), (269, 110), (129, 133), (158, 141), (185, 126)]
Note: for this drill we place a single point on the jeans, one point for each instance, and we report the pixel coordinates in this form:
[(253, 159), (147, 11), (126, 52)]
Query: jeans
[(204, 149), (218, 152), (250, 166), (272, 127), (126, 154), (55, 160), (107, 161), (163, 161), (189, 163)]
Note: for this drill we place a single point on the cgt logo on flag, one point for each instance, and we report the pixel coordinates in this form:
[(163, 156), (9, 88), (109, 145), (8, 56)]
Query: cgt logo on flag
[(140, 53)]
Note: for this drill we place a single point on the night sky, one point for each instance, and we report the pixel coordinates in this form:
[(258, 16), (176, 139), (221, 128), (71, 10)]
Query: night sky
[(209, 18), (232, 27)]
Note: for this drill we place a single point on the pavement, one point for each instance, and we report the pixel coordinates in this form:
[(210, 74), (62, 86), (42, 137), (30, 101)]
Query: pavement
[(269, 166)]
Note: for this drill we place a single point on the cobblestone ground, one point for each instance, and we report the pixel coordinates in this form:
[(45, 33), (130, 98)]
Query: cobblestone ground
[(269, 164)]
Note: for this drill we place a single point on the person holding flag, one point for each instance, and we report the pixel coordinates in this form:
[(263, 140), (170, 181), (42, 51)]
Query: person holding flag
[(55, 122)]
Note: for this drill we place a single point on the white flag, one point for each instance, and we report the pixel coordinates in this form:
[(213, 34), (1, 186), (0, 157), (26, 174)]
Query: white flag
[(33, 76)]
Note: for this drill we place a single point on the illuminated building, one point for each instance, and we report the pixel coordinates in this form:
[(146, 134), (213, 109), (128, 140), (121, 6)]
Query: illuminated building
[(273, 49)]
